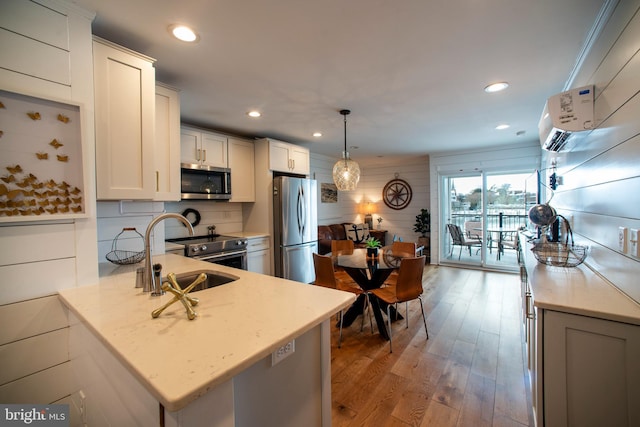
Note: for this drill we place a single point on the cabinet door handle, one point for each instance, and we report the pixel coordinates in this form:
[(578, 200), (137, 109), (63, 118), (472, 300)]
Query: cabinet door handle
[(528, 315), (204, 155), (157, 181), (197, 153), (293, 164)]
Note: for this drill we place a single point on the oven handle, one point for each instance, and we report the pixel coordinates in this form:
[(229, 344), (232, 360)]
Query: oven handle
[(220, 255)]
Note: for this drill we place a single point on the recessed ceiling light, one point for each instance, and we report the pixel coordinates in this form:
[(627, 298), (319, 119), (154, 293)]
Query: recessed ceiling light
[(496, 87), (254, 114), (502, 127), (184, 33), (317, 134)]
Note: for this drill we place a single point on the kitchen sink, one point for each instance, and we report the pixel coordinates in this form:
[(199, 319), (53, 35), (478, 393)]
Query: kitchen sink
[(214, 278)]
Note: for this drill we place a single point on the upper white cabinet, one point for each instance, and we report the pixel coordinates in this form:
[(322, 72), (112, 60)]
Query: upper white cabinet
[(200, 147), (242, 165), (124, 122), (285, 157), (167, 144)]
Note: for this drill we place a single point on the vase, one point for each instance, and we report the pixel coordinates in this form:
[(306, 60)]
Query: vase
[(372, 252)]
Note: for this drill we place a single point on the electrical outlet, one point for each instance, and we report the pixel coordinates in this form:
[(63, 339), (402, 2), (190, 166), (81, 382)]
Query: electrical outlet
[(283, 352), (633, 243), (622, 239)]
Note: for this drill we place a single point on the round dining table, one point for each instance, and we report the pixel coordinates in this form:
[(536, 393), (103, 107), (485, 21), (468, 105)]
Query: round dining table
[(369, 273)]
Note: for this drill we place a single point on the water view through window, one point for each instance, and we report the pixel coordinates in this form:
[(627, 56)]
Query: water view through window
[(487, 210)]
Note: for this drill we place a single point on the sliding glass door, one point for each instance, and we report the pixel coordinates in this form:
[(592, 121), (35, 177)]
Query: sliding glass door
[(462, 201), (481, 215)]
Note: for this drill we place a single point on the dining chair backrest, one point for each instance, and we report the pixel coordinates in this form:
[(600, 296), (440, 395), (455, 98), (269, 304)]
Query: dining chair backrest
[(473, 229), (409, 284), (456, 234), (344, 247), (404, 248), (323, 266)]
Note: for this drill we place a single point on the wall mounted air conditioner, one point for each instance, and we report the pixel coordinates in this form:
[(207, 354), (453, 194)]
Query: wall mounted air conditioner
[(563, 114)]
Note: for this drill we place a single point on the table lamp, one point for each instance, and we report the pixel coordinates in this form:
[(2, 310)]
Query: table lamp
[(368, 214)]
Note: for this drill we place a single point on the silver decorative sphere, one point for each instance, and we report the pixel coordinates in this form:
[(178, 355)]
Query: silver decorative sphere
[(542, 215)]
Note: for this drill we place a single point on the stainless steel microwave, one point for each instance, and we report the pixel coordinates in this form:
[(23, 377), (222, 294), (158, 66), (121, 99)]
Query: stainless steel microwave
[(205, 182)]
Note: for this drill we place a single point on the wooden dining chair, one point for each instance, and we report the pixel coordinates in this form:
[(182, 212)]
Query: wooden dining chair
[(342, 247), (404, 249), (407, 288), (325, 276)]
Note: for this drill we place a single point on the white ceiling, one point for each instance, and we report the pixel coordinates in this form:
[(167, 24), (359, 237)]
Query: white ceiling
[(412, 71)]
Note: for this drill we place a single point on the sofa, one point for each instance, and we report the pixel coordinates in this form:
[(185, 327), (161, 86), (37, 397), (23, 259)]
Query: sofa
[(344, 231)]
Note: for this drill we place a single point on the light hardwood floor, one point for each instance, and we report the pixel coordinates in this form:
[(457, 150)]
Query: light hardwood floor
[(470, 372)]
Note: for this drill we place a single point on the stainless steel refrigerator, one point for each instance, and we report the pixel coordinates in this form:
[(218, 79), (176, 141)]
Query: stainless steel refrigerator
[(295, 215)]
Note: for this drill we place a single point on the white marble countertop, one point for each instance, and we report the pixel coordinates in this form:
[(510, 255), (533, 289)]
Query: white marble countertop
[(577, 290), (178, 360)]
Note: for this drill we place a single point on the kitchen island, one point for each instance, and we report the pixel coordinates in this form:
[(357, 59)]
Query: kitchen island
[(214, 370)]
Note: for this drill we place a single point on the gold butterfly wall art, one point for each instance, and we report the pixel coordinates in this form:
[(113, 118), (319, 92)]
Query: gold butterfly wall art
[(34, 115), (62, 158), (63, 118), (42, 156), (14, 169), (55, 144)]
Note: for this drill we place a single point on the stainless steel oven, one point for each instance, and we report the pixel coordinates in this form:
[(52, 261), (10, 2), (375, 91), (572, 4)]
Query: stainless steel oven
[(217, 249), (235, 259)]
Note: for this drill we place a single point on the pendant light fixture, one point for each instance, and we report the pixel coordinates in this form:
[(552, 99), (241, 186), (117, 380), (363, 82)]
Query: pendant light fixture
[(346, 172)]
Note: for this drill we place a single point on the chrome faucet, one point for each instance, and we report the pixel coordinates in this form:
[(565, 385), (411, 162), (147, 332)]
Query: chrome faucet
[(149, 280)]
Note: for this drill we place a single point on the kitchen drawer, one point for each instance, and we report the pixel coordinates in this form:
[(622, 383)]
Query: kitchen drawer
[(258, 244)]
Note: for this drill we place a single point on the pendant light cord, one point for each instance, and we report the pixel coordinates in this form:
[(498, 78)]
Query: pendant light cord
[(345, 154)]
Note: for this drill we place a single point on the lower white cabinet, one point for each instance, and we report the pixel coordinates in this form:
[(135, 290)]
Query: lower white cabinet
[(591, 371), (259, 255)]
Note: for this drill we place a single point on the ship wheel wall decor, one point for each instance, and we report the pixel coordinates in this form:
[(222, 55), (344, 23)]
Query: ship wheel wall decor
[(397, 193)]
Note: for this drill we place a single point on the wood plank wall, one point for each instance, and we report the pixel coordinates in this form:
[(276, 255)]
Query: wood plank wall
[(600, 169), (46, 50), (373, 179)]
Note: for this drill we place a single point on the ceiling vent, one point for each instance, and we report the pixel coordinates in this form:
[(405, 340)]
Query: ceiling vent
[(563, 114)]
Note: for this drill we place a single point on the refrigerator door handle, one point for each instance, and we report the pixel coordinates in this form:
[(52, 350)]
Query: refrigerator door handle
[(301, 211)]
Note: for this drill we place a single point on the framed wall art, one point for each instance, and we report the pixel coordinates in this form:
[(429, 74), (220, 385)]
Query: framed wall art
[(328, 192), (41, 161)]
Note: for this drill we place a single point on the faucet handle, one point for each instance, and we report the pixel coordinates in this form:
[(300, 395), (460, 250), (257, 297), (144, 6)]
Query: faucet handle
[(156, 287)]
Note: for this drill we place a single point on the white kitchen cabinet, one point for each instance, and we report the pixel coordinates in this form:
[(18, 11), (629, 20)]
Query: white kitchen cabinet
[(285, 157), (124, 122), (200, 147), (167, 144), (242, 165), (591, 371), (530, 329), (583, 346), (259, 255)]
